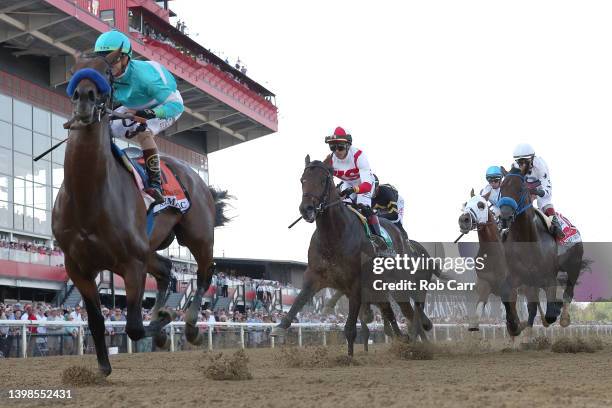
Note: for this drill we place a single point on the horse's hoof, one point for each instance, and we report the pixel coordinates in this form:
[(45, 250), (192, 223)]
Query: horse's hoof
[(105, 370), (548, 320), (565, 321), (136, 333), (192, 334), (514, 329), (161, 340), (427, 325), (278, 331), (474, 329)]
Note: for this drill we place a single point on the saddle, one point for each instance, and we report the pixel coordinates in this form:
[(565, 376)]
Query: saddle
[(387, 238), (175, 194), (572, 235)]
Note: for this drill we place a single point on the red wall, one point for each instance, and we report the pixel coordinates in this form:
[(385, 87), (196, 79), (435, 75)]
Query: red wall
[(20, 270)]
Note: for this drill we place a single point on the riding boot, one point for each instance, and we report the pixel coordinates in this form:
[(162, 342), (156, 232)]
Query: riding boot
[(377, 238), (555, 226), (151, 157)]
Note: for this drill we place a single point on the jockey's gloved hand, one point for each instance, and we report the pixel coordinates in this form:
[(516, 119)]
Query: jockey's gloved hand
[(538, 191), (146, 113), (347, 192)]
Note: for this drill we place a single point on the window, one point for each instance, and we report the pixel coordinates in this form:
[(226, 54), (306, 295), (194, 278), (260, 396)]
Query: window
[(6, 161), (6, 108), (22, 114), (108, 16), (6, 214), (23, 140), (41, 143), (42, 121), (23, 166), (6, 134)]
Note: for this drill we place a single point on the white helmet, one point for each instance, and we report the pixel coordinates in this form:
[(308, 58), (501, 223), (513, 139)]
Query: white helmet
[(523, 151)]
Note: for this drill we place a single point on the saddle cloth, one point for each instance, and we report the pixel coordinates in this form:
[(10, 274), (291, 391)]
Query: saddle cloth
[(366, 227), (572, 235), (175, 194)]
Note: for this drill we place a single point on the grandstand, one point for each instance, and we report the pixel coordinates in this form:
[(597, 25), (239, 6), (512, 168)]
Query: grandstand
[(39, 40)]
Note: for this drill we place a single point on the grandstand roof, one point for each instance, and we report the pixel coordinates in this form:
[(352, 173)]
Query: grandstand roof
[(223, 107)]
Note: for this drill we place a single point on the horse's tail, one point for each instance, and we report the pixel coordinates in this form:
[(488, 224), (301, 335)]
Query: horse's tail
[(220, 197), (585, 265)]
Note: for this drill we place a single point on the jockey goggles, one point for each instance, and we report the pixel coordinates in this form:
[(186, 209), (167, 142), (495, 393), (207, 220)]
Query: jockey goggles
[(337, 146), (493, 179)]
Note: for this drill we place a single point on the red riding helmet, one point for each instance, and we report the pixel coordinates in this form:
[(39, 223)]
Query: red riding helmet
[(339, 136)]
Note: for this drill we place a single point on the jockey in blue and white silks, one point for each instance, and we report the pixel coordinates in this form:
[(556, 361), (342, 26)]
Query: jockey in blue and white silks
[(148, 90), (492, 190)]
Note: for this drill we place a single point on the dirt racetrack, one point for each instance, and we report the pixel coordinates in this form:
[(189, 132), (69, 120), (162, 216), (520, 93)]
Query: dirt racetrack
[(458, 376)]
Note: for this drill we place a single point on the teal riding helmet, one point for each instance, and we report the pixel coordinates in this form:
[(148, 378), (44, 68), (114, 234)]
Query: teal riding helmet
[(493, 172), (112, 41)]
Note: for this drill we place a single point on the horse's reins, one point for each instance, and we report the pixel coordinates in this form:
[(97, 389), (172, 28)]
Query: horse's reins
[(323, 197)]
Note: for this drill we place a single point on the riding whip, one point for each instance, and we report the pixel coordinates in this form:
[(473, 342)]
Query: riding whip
[(458, 238), (295, 222)]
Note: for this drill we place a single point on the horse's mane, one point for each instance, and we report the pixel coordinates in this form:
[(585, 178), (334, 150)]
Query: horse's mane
[(320, 164), (514, 170)]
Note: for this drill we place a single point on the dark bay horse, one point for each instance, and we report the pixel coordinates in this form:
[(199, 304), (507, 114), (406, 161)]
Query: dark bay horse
[(531, 251), (340, 256), (99, 217), (494, 277)]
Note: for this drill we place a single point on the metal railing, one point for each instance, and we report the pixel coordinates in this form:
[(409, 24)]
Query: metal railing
[(224, 335), (37, 258)]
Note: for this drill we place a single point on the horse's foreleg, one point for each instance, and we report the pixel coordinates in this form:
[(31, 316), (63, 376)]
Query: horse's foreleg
[(302, 298), (192, 333), (134, 275), (95, 320), (365, 334), (483, 289), (389, 317), (350, 328)]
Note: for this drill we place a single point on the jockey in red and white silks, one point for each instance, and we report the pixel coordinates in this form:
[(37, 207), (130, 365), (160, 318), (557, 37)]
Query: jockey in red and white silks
[(352, 167)]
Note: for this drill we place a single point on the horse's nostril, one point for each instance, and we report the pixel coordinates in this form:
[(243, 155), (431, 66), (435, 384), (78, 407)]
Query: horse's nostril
[(91, 95), (75, 96)]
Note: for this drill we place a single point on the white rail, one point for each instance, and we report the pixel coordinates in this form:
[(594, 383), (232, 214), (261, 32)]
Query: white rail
[(440, 332)]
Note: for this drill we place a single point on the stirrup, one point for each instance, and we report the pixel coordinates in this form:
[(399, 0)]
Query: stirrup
[(156, 193)]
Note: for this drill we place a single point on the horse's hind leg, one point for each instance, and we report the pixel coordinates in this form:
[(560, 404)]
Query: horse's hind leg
[(365, 334), (95, 320), (160, 268), (202, 250)]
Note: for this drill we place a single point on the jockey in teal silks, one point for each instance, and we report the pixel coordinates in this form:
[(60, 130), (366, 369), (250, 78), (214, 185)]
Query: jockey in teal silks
[(145, 89)]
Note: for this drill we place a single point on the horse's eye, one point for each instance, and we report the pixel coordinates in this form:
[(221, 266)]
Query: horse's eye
[(481, 205), (302, 181)]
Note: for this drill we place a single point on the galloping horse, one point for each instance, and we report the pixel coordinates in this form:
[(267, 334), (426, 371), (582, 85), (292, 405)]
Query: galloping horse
[(494, 277), (100, 219), (340, 256), (531, 251)]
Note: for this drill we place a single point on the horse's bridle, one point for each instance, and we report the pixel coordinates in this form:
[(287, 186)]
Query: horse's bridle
[(474, 224), (104, 102), (324, 196), (524, 202)]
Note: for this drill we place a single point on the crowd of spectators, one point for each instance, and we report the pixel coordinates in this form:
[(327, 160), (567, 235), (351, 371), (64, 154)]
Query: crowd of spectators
[(238, 65), (30, 247)]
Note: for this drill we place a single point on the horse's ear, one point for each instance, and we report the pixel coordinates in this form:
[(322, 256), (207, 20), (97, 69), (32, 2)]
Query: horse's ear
[(504, 171), (486, 196), (113, 56), (307, 160), (472, 193)]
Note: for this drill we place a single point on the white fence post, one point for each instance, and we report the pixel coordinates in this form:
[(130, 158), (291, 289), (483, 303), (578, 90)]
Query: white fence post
[(300, 336), (172, 345), (129, 344), (210, 338), (24, 342), (80, 340), (241, 336)]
